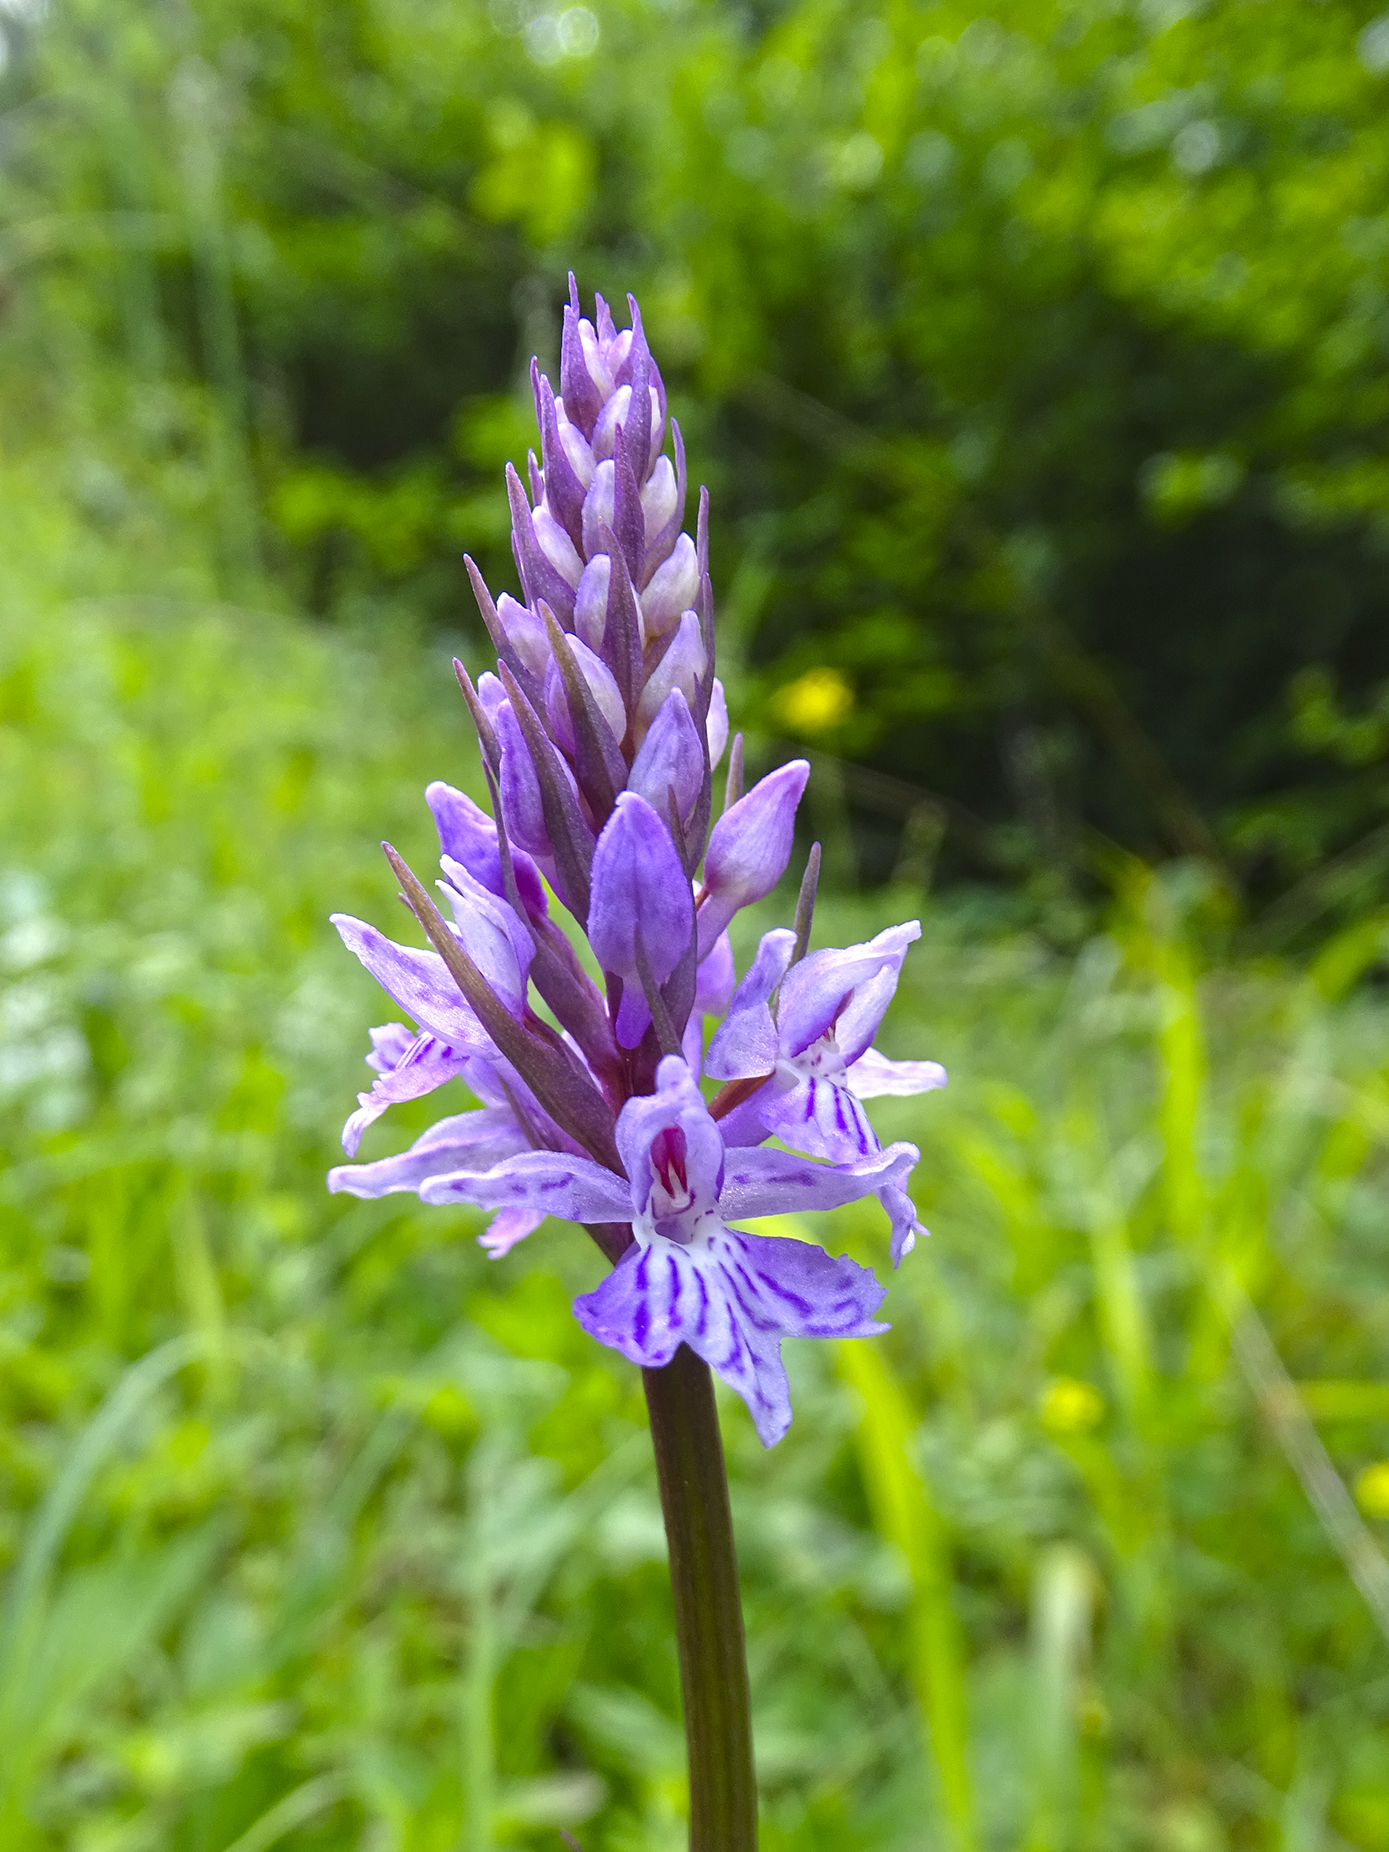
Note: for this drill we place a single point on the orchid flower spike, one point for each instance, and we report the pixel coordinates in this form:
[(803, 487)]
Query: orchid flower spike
[(600, 731)]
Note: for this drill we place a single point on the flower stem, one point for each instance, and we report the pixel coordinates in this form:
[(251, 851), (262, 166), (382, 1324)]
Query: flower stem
[(708, 1613)]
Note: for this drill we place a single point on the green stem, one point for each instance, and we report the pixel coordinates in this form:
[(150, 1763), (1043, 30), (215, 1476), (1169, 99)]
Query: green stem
[(708, 1613)]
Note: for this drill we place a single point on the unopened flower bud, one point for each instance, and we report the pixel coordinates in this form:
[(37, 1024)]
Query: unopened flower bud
[(556, 545), (681, 667), (575, 446), (498, 944), (670, 759), (639, 888), (717, 727), (522, 810), (599, 504), (525, 633), (591, 601), (602, 685), (749, 848), (672, 588), (658, 498)]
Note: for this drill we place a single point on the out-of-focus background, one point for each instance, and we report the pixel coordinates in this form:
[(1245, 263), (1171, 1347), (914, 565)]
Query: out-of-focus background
[(1037, 366)]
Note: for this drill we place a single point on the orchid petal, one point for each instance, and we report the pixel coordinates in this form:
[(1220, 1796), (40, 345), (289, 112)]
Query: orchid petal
[(732, 1300), (481, 1139), (823, 1118), (747, 1042), (874, 1077), (542, 1182), (764, 1181), (419, 982)]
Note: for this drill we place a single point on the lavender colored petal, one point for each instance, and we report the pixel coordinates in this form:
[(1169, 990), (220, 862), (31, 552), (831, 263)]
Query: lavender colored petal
[(388, 1044), (681, 667), (764, 1181), (424, 1064), (743, 1126), (469, 836), (541, 1182), (823, 1118), (747, 1042), (498, 943), (732, 1299), (901, 1212), (874, 1077), (749, 848), (850, 988), (480, 1139), (419, 982), (506, 1229), (717, 726), (715, 978)]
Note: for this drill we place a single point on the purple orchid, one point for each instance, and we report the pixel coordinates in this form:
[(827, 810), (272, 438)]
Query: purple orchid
[(688, 1278), (599, 732)]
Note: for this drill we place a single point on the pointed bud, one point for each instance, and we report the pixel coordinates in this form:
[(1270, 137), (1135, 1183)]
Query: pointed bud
[(670, 759), (591, 601), (673, 588), (638, 887), (602, 686), (681, 667), (749, 848), (658, 499)]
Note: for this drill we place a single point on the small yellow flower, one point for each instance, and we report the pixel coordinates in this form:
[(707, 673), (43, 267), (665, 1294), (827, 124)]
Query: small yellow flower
[(814, 702), (1372, 1490), (1070, 1406)]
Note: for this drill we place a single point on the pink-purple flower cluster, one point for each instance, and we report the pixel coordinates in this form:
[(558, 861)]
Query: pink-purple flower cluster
[(600, 732)]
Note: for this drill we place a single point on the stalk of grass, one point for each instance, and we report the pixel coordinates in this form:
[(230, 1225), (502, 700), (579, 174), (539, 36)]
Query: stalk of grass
[(903, 1513)]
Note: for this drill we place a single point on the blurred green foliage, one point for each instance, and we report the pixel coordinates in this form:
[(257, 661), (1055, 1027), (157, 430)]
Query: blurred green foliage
[(1037, 367), (320, 1531), (1036, 360)]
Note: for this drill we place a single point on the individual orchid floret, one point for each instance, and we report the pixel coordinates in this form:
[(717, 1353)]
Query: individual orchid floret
[(749, 848), (642, 909), (689, 1277), (808, 1027)]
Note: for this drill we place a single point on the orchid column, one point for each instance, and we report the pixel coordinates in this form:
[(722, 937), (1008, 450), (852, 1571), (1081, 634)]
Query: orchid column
[(599, 733)]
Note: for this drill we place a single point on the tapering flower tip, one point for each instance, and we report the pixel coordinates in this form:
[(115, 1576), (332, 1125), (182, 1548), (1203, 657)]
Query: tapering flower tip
[(496, 940), (683, 666), (670, 761), (602, 685), (671, 589), (469, 836), (749, 848), (638, 888)]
